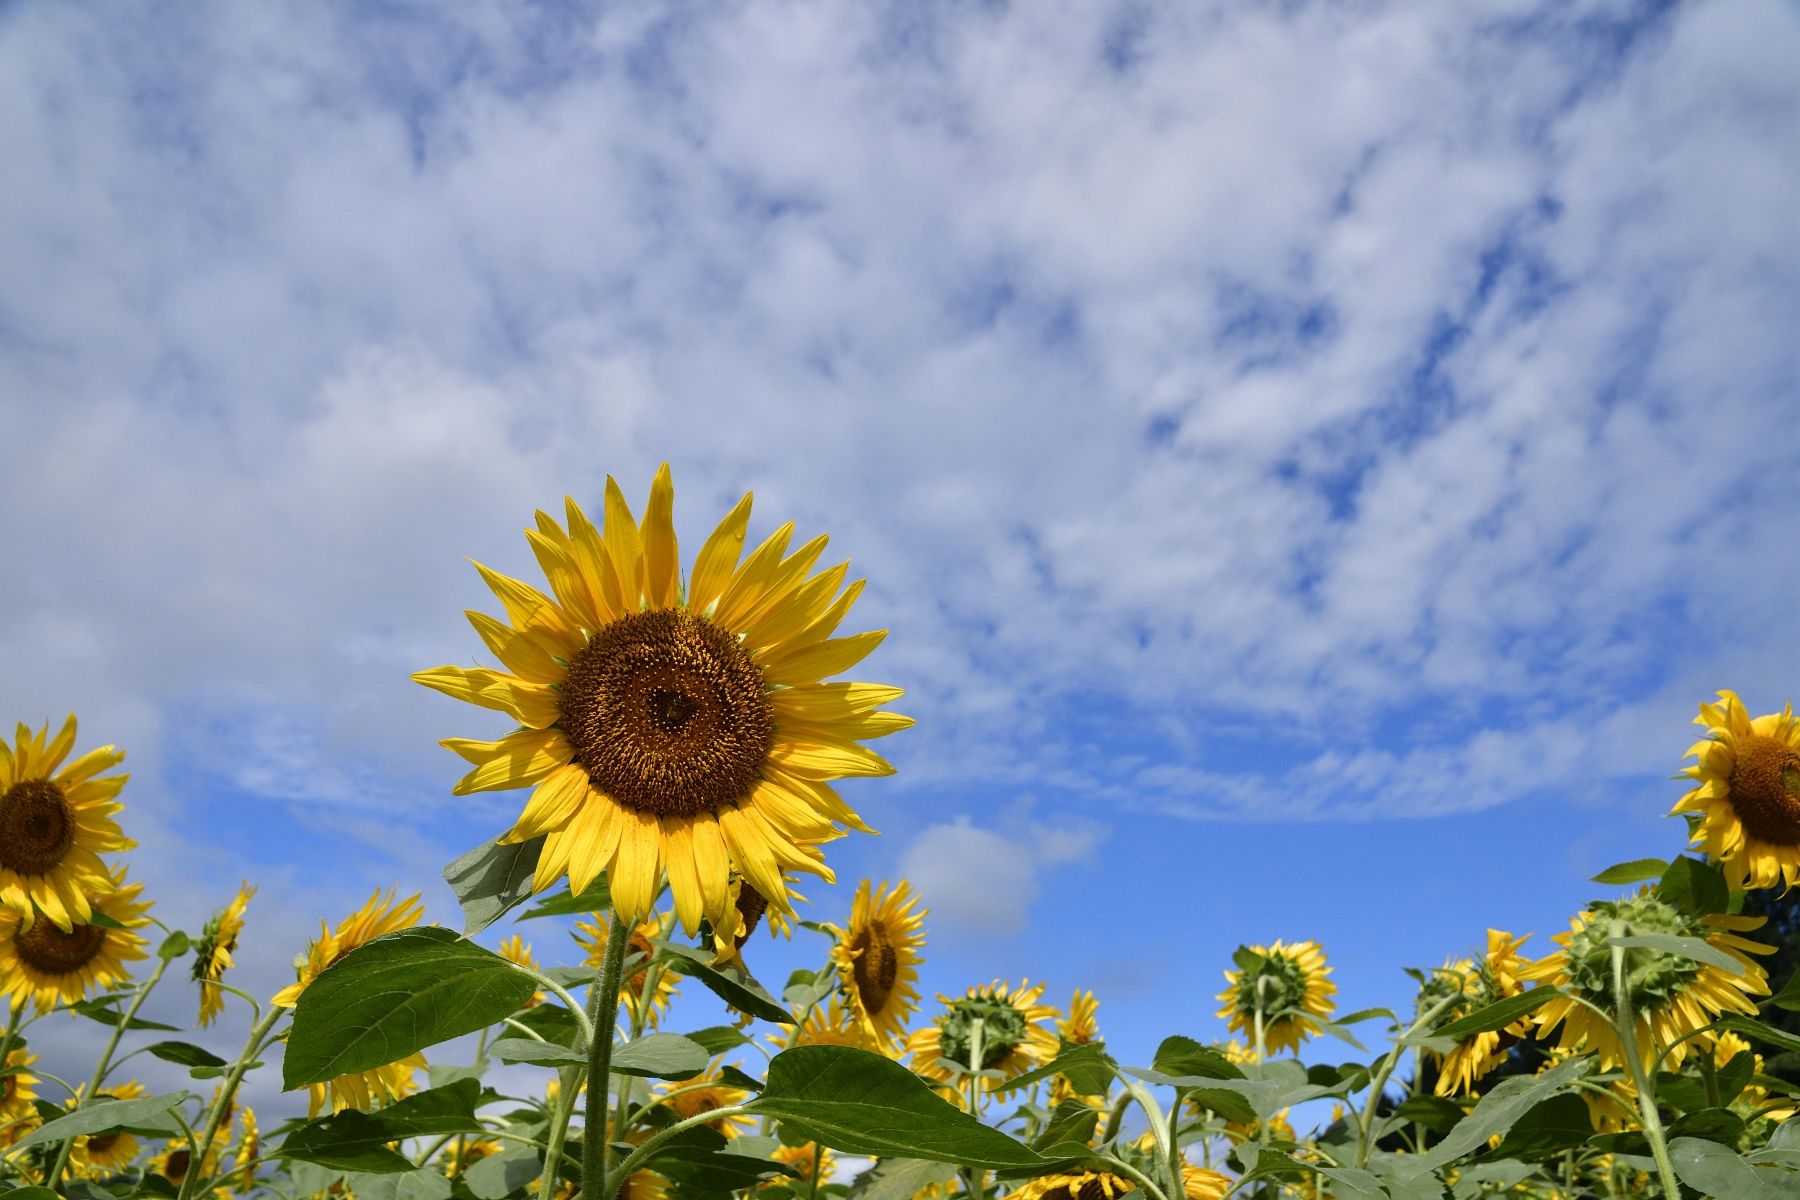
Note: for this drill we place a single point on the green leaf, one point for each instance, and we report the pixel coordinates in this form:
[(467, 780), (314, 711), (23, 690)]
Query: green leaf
[(900, 1179), (1635, 871), (1353, 1182), (1179, 1055), (1698, 949), (102, 1009), (1071, 1121), (1433, 1112), (33, 1193), (1496, 1112), (1557, 1124), (1752, 1028), (174, 946), (1788, 998), (1719, 1125), (703, 1160), (1695, 887), (422, 1183), (394, 996), (1087, 1068), (1497, 1015), (862, 1103), (730, 984), (529, 1050), (499, 1175), (185, 1053), (719, 1038), (553, 1023), (491, 879), (357, 1141), (566, 904), (661, 1056), (1714, 1170), (148, 1116), (805, 989)]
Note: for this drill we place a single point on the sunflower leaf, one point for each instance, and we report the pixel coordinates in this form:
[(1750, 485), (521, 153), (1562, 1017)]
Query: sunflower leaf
[(1751, 1028), (499, 1175), (1788, 998), (1698, 949), (899, 1179), (392, 997), (358, 1141), (1694, 887), (859, 1102), (102, 1010), (1087, 1068), (185, 1053), (660, 1056), (596, 897), (1635, 871), (1497, 1112), (1179, 1055), (1714, 1170), (491, 879), (149, 1116), (718, 1038), (730, 984), (1497, 1015), (530, 1050), (422, 1183)]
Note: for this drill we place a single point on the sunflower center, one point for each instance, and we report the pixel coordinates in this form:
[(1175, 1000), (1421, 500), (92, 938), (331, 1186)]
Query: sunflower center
[(177, 1167), (1653, 978), (1003, 1029), (1765, 789), (50, 950), (100, 1143), (751, 905), (37, 827), (667, 714), (1094, 1187), (875, 968)]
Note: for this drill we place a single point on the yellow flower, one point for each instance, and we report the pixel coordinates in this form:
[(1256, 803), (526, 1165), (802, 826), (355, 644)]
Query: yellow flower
[(812, 1160), (101, 1154), (1014, 1036), (54, 965), (54, 825), (663, 728), (1670, 995), (1082, 1026), (380, 1085), (878, 959), (1198, 1183), (1747, 792), (1074, 1185), (249, 1148), (647, 1001), (213, 955), (175, 1160), (516, 949), (832, 1025), (643, 1185), (466, 1152), (704, 1093), (1294, 995), (1495, 978), (17, 1091)]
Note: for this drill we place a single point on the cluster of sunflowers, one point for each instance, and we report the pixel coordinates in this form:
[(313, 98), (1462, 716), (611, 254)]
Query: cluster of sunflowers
[(680, 736)]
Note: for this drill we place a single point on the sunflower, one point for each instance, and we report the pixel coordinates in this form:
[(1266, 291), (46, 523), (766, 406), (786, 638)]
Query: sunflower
[(1074, 1185), (175, 1160), (1671, 995), (663, 728), (213, 955), (249, 1147), (1080, 1027), (1294, 995), (516, 949), (832, 1025), (381, 1085), (1747, 792), (100, 1154), (748, 908), (647, 1001), (466, 1152), (1198, 1183), (53, 965), (878, 958), (17, 1091), (643, 1185), (703, 1093), (1495, 977), (813, 1161), (1014, 1036), (55, 824), (1727, 1046)]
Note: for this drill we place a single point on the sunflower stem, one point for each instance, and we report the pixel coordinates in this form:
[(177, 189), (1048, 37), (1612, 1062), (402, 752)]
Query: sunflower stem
[(1365, 1140), (655, 1142), (570, 1079), (1626, 1025), (227, 1090), (977, 1033), (54, 1175), (603, 1011)]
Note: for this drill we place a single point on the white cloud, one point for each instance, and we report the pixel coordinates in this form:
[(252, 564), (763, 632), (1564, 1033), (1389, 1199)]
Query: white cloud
[(980, 882)]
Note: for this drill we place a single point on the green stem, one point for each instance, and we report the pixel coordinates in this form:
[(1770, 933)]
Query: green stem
[(561, 993), (1121, 1167), (1709, 1075), (603, 1011), (12, 1029), (655, 1142), (54, 1176), (977, 1035), (570, 1078), (1626, 1024), (1365, 1139), (252, 1047)]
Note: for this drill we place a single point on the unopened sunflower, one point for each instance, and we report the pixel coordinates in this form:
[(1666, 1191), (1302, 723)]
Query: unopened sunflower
[(1747, 792), (51, 965), (1289, 987), (380, 1085), (877, 957), (704, 1093), (1012, 1026), (1670, 995), (101, 1154), (647, 1000), (212, 957), (685, 729), (1478, 985), (55, 822)]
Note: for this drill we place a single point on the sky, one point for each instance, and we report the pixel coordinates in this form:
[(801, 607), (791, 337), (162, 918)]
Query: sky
[(1312, 459)]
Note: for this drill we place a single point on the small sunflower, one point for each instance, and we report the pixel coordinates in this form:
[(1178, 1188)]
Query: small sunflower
[(1014, 1035), (671, 728), (248, 1151), (1747, 792), (1671, 995), (18, 1088), (1295, 995), (212, 958), (1727, 1046), (647, 1002), (878, 957), (382, 1085), (100, 1154), (53, 965), (466, 1152), (1495, 977), (832, 1025), (704, 1093), (516, 949), (175, 1160), (1073, 1185), (54, 825), (812, 1160), (1081, 1027)]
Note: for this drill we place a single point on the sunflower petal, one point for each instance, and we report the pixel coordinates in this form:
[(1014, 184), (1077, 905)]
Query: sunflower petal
[(720, 554), (662, 556), (815, 662)]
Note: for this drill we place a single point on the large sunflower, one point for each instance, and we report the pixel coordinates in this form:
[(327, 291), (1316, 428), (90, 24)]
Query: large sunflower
[(1671, 995), (380, 1085), (55, 822), (1294, 995), (878, 958), (1747, 792), (1495, 977), (1014, 1035), (213, 956), (674, 729), (100, 1154), (52, 965)]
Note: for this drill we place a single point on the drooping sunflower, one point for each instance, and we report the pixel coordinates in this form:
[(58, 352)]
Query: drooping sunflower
[(218, 942), (516, 949), (384, 1084), (671, 728), (100, 1154), (1015, 1036), (1294, 995), (52, 965), (647, 1000), (1747, 792), (55, 822), (704, 1093), (1671, 995), (1495, 977), (18, 1088), (878, 956)]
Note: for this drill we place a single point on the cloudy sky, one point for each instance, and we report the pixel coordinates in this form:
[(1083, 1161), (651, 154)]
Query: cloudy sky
[(1312, 458)]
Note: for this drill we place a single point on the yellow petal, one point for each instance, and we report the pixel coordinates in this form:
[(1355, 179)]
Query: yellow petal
[(748, 581), (570, 589), (662, 561), (712, 864), (595, 566), (58, 749), (750, 851), (684, 879), (637, 865), (531, 704), (623, 546), (718, 557), (521, 759), (516, 652), (531, 611), (825, 761), (815, 662), (553, 804), (799, 609)]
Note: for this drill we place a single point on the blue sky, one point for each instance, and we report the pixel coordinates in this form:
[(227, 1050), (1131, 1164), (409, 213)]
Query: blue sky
[(1312, 458)]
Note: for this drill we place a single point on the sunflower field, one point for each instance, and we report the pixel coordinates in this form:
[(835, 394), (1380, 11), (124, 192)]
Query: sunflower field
[(680, 726)]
